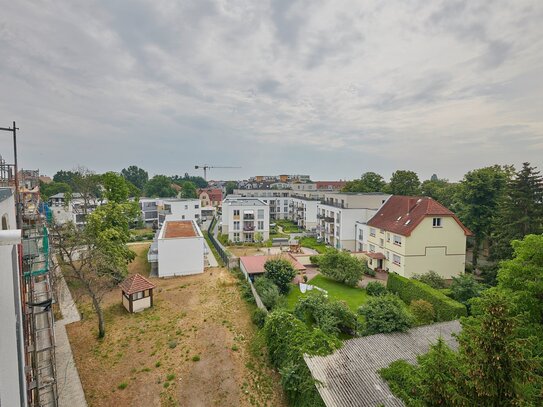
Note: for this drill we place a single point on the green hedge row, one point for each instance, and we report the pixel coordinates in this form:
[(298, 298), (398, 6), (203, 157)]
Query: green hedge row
[(446, 308)]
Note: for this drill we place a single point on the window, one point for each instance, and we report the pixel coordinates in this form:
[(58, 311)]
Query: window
[(372, 232), (260, 224), (137, 296), (186, 207), (261, 214), (236, 212), (436, 222), (381, 231), (196, 216), (182, 216), (388, 255), (397, 240), (372, 248), (388, 237), (236, 225), (236, 237), (396, 259), (5, 222), (381, 242), (196, 206)]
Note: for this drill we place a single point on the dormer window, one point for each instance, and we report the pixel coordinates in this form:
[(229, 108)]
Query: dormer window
[(436, 222)]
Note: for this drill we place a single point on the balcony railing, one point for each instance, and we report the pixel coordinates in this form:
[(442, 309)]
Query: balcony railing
[(329, 219), (248, 228), (248, 217), (334, 204)]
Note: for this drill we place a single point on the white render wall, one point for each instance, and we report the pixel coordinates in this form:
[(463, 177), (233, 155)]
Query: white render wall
[(245, 205), (180, 256), (185, 209), (12, 381)]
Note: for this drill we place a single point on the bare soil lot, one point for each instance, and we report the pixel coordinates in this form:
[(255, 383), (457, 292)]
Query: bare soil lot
[(195, 347)]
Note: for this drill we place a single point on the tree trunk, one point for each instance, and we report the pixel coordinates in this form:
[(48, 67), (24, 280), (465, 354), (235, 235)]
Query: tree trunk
[(100, 314), (475, 256)]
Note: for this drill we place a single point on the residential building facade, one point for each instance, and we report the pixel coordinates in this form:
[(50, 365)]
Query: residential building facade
[(303, 211), (74, 208), (154, 211), (210, 197), (415, 235), (338, 214), (277, 199), (245, 219)]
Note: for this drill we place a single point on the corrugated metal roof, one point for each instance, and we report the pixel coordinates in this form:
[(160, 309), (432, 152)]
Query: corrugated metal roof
[(349, 378)]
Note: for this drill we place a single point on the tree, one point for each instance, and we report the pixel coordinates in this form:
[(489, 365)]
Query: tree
[(230, 186), (97, 256), (499, 366), (441, 190), (136, 176), (200, 182), (268, 292), (522, 276), (464, 288), (404, 182), (115, 187), (368, 182), (384, 314), (66, 177), (281, 273), (189, 190), (520, 211), (341, 266), (48, 190), (431, 278), (159, 186), (479, 193), (423, 311)]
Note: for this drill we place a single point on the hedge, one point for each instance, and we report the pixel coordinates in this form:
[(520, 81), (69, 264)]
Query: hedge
[(446, 308)]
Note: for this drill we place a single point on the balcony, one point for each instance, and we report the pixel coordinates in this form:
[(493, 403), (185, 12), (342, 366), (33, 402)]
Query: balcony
[(329, 219), (248, 217), (249, 228), (334, 204)]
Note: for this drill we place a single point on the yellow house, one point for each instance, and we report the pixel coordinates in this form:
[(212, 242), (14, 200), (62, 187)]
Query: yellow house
[(414, 235)]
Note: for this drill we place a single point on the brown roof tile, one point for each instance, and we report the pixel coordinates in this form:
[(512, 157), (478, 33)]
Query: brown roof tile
[(401, 214), (135, 284)]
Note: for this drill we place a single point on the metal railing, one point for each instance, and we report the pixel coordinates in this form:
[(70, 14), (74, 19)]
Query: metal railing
[(218, 246)]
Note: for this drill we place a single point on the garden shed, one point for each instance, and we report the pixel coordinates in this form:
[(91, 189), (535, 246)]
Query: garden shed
[(137, 293)]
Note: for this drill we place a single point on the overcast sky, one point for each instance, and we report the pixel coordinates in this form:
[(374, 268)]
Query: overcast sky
[(326, 88)]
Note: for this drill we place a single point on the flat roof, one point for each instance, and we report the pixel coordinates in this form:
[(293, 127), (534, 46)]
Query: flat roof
[(179, 228)]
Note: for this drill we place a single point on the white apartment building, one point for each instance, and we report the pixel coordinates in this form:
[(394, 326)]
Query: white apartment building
[(154, 211), (277, 199), (76, 209), (12, 357), (303, 211), (245, 219), (339, 213)]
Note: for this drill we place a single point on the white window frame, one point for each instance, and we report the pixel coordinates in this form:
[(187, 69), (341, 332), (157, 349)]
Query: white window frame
[(437, 222), (396, 259), (372, 232), (397, 240)]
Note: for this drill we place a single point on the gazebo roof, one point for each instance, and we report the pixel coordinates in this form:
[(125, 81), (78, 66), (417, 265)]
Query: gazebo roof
[(135, 284)]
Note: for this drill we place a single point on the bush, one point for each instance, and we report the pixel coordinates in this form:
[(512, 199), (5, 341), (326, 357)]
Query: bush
[(288, 339), (408, 290), (259, 317), (464, 288), (423, 312), (268, 292), (431, 278), (385, 314), (402, 378), (281, 273), (368, 270), (332, 317), (375, 289), (342, 267), (315, 259)]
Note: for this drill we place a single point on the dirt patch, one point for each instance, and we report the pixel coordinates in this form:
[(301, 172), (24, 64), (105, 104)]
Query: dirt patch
[(247, 251), (193, 348)]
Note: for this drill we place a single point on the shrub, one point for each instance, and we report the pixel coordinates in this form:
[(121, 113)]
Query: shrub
[(171, 376), (423, 312), (408, 290), (464, 288), (259, 317), (196, 358), (385, 314), (368, 270), (281, 272), (288, 339), (315, 259), (431, 278), (402, 378), (342, 267), (375, 289), (332, 317), (268, 292), (122, 386)]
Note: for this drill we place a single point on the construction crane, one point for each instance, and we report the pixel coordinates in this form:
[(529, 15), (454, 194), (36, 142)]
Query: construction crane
[(207, 167)]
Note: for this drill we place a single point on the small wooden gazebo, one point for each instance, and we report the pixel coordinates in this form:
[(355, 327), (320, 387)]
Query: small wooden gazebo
[(137, 293)]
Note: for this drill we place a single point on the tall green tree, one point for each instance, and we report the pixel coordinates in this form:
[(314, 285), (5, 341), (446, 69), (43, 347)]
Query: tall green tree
[(479, 193), (200, 182), (160, 186), (115, 186), (520, 211), (230, 186), (441, 190), (404, 182), (189, 190), (52, 188), (135, 175), (66, 177), (368, 182), (522, 276)]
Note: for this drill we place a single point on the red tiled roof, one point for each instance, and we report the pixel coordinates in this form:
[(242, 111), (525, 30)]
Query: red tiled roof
[(215, 194), (401, 214), (255, 264), (135, 284), (375, 255)]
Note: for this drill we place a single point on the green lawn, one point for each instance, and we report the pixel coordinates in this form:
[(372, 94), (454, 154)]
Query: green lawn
[(288, 226), (312, 243), (354, 297)]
